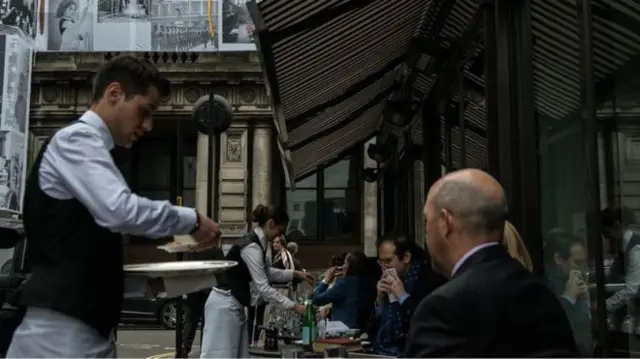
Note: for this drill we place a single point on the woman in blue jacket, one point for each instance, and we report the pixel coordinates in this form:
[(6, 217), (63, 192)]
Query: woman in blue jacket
[(345, 294)]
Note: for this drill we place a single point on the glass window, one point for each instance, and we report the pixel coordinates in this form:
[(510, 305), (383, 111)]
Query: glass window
[(337, 216), (303, 213), (156, 173)]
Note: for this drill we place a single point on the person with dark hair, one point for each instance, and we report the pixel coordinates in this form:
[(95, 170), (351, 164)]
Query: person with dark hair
[(625, 245), (492, 306), (406, 278), (225, 333), (77, 205), (345, 295), (566, 263)]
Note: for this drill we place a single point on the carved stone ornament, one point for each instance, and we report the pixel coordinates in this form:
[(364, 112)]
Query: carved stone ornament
[(49, 94), (234, 148), (229, 229), (191, 95), (248, 95)]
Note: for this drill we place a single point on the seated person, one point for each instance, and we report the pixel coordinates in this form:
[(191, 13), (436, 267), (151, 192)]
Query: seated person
[(337, 261), (407, 277), (344, 295), (565, 264)]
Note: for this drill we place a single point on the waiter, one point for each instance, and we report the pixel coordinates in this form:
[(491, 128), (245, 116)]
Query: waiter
[(225, 324), (77, 205)]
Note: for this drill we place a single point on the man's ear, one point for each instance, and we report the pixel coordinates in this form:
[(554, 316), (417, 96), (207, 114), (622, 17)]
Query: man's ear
[(407, 257)]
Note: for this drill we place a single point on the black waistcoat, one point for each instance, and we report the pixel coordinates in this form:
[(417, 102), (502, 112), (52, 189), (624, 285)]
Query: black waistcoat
[(76, 264), (237, 279)]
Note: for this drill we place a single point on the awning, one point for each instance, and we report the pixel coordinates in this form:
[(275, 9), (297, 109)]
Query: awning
[(329, 66), (459, 21)]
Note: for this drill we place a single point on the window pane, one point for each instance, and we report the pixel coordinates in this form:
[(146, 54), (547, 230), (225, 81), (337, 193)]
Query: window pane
[(308, 182), (341, 174), (340, 215), (154, 164), (562, 170), (303, 209), (156, 195)]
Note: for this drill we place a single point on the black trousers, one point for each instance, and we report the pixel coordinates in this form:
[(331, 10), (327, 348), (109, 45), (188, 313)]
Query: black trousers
[(255, 332), (195, 302)]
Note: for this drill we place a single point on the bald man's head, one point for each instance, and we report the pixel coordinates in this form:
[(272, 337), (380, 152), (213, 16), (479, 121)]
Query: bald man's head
[(463, 209), (475, 198)]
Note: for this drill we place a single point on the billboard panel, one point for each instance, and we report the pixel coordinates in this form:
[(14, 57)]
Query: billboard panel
[(237, 30), (131, 25), (15, 61)]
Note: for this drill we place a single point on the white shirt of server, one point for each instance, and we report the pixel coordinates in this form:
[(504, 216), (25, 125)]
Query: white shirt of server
[(77, 164)]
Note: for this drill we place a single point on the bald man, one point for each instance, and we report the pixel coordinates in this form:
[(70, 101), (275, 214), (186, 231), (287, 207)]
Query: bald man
[(492, 306)]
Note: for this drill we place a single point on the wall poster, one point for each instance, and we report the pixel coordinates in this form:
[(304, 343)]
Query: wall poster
[(15, 62), (138, 25)]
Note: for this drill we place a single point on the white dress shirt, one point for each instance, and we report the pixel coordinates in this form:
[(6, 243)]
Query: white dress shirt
[(77, 164), (262, 273)]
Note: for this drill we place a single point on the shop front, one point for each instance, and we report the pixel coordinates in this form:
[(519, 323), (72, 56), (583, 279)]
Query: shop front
[(541, 94)]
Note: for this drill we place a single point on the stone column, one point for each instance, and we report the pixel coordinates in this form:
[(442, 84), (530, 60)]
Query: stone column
[(370, 209), (262, 165), (202, 163)]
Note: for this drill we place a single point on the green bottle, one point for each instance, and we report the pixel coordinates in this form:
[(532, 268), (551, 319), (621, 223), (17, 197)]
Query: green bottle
[(309, 324)]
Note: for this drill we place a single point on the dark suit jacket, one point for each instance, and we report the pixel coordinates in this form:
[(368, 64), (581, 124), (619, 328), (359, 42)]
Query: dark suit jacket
[(492, 307), (429, 281)]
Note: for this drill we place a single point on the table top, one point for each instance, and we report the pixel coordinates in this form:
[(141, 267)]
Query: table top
[(261, 352)]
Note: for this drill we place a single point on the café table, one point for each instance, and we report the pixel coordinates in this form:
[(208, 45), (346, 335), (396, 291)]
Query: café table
[(289, 338), (260, 351)]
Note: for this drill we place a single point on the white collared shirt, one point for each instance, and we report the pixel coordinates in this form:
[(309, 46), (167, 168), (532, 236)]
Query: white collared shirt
[(262, 272), (473, 251)]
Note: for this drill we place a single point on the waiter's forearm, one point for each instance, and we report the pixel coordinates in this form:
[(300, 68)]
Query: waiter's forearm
[(80, 162), (142, 216)]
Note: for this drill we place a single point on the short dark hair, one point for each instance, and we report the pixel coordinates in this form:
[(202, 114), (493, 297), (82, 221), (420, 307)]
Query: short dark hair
[(478, 212), (337, 260), (263, 213), (357, 264), (403, 244), (559, 242), (135, 75), (611, 215)]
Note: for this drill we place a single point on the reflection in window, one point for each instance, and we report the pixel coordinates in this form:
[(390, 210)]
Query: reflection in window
[(337, 215)]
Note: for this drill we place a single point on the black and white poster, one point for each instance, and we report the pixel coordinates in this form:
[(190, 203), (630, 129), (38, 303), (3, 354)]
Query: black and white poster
[(12, 155), (19, 14), (183, 25), (15, 61), (237, 30), (16, 85), (68, 25), (140, 25), (123, 10)]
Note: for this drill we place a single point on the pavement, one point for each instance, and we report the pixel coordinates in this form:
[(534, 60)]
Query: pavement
[(151, 344)]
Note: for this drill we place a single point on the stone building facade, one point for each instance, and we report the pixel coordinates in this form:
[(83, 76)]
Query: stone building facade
[(250, 168)]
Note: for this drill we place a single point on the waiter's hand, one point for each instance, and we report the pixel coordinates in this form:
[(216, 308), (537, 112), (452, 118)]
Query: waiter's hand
[(207, 235), (304, 276), (300, 308)]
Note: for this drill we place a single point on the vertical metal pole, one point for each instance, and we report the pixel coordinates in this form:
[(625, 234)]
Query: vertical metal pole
[(179, 191), (590, 153), (462, 132), (491, 96), (211, 173)]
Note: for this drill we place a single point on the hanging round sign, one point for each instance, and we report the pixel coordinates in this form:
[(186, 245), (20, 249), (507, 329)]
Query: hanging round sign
[(213, 117)]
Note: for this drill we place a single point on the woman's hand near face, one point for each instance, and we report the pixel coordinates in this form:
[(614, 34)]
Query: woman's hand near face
[(329, 274)]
